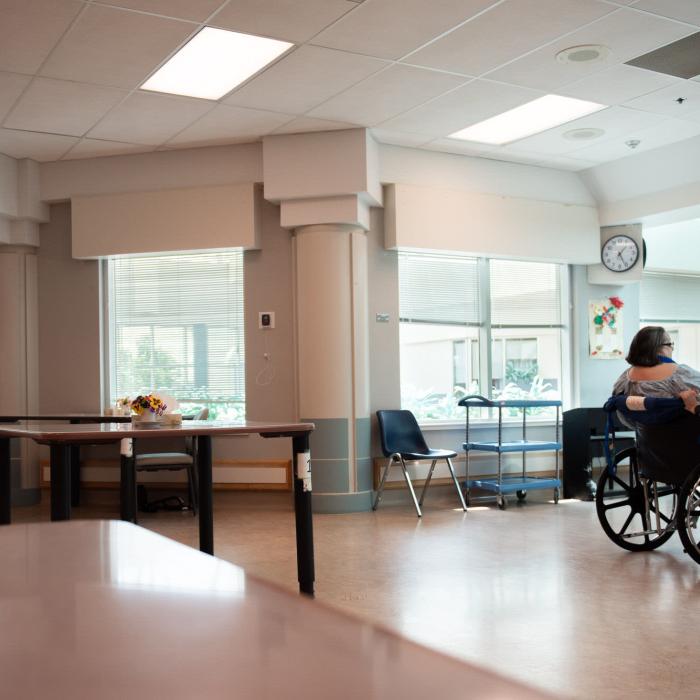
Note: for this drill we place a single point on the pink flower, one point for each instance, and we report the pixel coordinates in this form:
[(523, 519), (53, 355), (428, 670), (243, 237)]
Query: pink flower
[(617, 302)]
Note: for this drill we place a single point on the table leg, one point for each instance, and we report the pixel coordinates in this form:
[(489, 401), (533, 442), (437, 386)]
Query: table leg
[(302, 510), (206, 516), (60, 481), (127, 481), (75, 475), (5, 483)]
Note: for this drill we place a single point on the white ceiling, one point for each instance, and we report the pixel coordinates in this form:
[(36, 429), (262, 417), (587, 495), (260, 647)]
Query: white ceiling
[(413, 71)]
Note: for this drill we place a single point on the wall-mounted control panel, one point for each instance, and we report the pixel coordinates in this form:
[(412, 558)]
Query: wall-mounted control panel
[(266, 320)]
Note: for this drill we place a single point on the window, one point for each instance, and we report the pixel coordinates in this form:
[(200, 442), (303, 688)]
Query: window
[(453, 307), (175, 325), (670, 300)]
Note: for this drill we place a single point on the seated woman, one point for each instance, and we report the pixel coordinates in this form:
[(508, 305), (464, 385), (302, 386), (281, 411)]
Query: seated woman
[(653, 371)]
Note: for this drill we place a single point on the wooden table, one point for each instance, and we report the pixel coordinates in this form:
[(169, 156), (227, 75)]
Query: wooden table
[(105, 610), (62, 437), (75, 451)]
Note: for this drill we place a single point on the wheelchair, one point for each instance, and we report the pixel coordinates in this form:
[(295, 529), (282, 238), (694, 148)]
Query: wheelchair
[(648, 492)]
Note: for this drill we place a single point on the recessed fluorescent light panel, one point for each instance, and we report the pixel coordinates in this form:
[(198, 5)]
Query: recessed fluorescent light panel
[(528, 119), (213, 62)]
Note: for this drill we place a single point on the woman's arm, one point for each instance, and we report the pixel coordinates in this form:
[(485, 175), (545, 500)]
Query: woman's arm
[(690, 400)]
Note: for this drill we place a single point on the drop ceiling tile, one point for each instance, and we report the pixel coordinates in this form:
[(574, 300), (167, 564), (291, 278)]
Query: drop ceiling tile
[(683, 10), (108, 46), (505, 32), (399, 138), (387, 94), (291, 20), (462, 107), (30, 29), (625, 32), (393, 28), (616, 122), (617, 85), (61, 106), (303, 79), (147, 118), (567, 163), (193, 10), (664, 101), (29, 144), (661, 134), (226, 124), (92, 148), (523, 158), (465, 148), (304, 124), (11, 86)]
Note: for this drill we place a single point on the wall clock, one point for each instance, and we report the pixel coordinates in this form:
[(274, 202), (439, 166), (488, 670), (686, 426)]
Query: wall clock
[(620, 253)]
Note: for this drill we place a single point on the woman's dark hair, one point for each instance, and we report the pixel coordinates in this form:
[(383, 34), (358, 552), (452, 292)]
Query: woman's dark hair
[(646, 346)]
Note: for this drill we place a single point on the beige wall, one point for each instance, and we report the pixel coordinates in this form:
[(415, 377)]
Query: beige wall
[(69, 321)]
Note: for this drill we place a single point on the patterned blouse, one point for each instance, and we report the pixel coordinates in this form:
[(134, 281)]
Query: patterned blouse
[(683, 378)]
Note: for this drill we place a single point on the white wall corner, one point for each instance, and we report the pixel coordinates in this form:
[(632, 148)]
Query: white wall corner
[(599, 274), (349, 209), (5, 230), (24, 232), (8, 186), (321, 164), (29, 204)]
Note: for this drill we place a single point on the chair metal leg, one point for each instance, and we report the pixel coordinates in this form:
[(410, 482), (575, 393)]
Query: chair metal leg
[(410, 487), (456, 483), (427, 481), (378, 497)]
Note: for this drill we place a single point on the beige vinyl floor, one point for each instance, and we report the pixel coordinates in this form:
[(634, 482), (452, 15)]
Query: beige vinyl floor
[(536, 592)]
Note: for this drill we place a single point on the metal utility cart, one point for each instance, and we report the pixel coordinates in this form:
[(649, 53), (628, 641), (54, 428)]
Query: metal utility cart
[(520, 484)]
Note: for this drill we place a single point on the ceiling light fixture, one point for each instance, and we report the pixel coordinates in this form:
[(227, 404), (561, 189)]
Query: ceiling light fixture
[(587, 53), (583, 134), (213, 62), (528, 119)]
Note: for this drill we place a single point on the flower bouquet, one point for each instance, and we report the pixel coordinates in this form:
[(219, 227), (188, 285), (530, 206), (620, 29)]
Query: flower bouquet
[(148, 406)]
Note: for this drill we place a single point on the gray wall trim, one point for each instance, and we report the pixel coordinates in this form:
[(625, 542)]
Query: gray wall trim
[(330, 439), (363, 428), (364, 474), (342, 502), (330, 475)]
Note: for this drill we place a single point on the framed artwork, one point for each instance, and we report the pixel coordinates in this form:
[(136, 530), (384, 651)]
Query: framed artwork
[(605, 334)]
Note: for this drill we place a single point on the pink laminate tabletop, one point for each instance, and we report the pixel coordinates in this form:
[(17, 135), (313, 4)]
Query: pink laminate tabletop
[(48, 431), (108, 610), (80, 417)]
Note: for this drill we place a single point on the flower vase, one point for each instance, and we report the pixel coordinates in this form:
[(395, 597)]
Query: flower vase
[(147, 417)]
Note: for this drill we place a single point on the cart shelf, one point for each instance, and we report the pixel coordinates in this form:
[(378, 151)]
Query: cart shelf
[(521, 483)]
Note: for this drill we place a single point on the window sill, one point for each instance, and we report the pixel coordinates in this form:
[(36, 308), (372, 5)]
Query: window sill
[(460, 425)]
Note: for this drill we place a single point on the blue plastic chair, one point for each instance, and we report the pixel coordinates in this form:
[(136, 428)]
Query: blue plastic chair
[(402, 440)]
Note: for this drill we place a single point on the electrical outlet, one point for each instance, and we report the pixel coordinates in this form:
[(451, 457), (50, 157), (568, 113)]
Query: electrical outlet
[(266, 320)]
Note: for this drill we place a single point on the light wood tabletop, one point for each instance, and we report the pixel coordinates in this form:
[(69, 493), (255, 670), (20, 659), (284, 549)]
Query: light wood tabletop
[(104, 610)]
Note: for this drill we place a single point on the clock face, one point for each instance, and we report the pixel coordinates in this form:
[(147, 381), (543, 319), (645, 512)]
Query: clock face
[(620, 253)]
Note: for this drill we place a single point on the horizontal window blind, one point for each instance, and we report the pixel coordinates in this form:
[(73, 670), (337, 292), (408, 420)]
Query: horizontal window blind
[(439, 289), (525, 293), (669, 297), (176, 326)]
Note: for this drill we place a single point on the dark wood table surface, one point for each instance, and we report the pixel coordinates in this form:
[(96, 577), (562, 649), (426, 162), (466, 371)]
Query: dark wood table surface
[(63, 437)]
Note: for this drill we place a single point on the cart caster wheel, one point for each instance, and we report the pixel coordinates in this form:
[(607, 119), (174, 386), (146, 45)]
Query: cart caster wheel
[(502, 503), (556, 495), (522, 495)]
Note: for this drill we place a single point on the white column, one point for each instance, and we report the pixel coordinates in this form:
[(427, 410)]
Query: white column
[(332, 362)]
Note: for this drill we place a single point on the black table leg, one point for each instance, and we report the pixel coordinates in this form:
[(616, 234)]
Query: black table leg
[(206, 516), (60, 481), (75, 475), (127, 489), (5, 482), (302, 510)]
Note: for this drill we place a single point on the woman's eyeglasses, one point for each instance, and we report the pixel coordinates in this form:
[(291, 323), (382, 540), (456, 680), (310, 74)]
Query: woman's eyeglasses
[(668, 345)]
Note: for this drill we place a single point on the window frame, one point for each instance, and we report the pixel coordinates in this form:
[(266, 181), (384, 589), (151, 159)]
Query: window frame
[(107, 335), (485, 339)]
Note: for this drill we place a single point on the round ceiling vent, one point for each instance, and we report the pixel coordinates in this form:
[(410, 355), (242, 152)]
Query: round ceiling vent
[(586, 53), (583, 134)]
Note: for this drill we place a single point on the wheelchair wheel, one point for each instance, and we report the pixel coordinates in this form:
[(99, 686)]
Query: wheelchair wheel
[(689, 514), (626, 506)]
